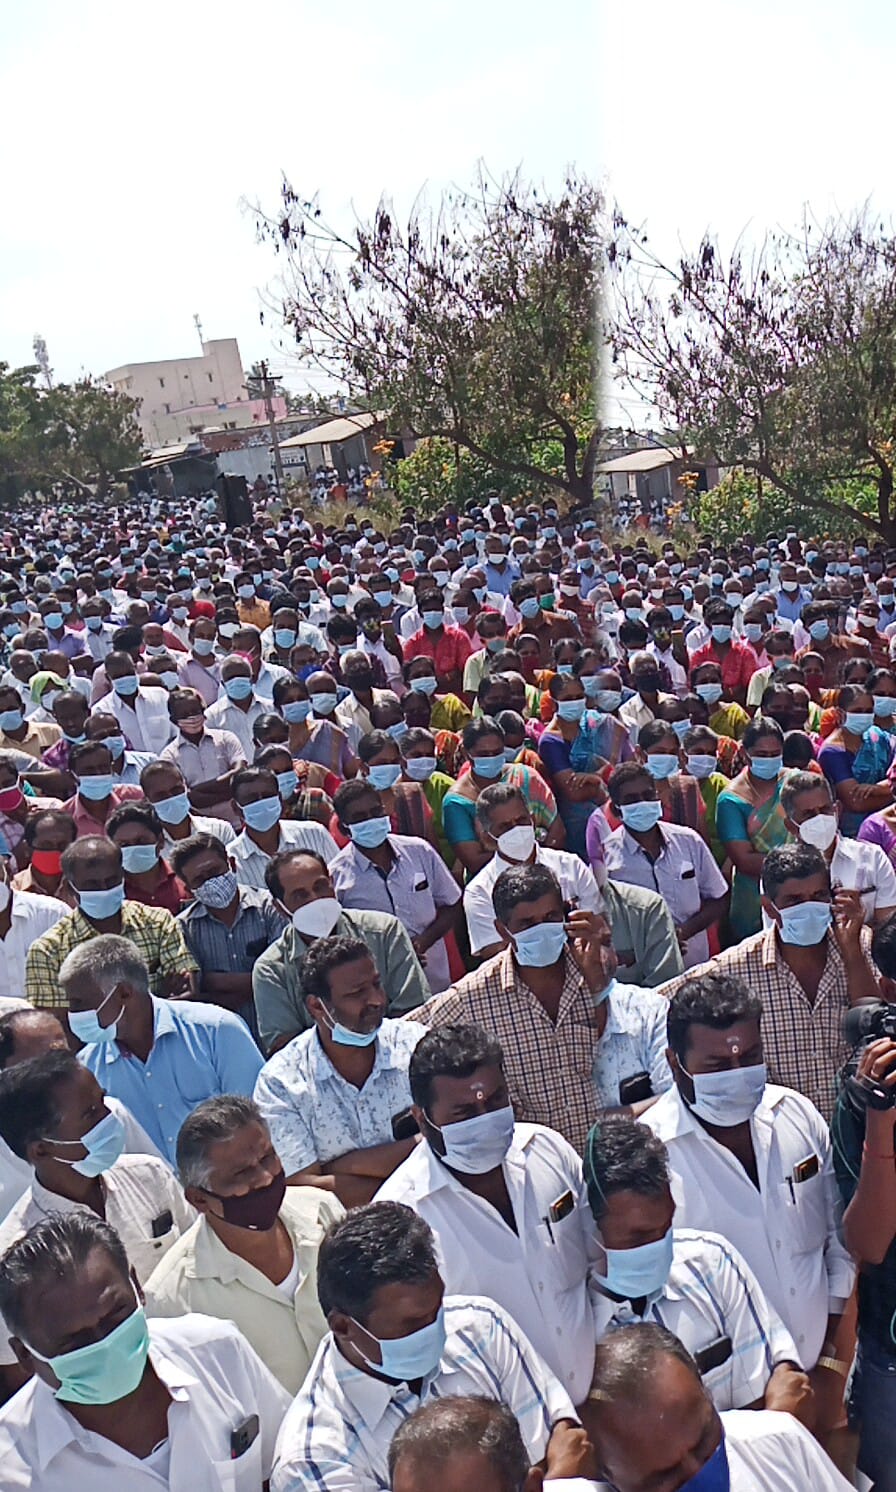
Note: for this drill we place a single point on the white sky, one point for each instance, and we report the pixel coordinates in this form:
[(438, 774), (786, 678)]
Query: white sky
[(134, 131)]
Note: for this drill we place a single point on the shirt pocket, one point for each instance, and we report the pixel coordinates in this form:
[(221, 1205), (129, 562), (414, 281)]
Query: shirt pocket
[(806, 1213), (241, 1475)]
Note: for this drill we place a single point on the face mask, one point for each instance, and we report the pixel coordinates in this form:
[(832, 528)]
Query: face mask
[(53, 620), (753, 631), (516, 844), (95, 789), (778, 663), (728, 1098), (701, 766), (714, 1475), (246, 592), (819, 631), (104, 1371), (47, 862), (85, 1024), (638, 1273), (478, 1145), (661, 764), (539, 947), (316, 919), (789, 586), (710, 693), (203, 646), (126, 687), (766, 767), (228, 630), (488, 766), (262, 815), (101, 904), (218, 891), (433, 620), (257, 1209), (383, 777), (409, 1358), (426, 685), (238, 688), (345, 1036), (884, 706), (370, 834), (721, 633), (297, 711), (13, 719), (322, 704), (607, 699), (399, 729), (529, 608), (495, 644), (104, 1145), (94, 623), (820, 830), (805, 925), (571, 709), (139, 858), (639, 817), (284, 637), (173, 810), (858, 721), (634, 613), (420, 768)]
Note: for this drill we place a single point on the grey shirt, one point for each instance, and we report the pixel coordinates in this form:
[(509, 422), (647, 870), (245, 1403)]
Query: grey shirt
[(277, 976)]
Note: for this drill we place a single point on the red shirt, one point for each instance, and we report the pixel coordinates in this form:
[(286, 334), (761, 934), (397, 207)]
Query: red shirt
[(170, 892), (449, 652), (738, 665)]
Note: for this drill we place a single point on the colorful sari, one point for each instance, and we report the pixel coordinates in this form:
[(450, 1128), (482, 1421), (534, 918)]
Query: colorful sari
[(600, 739), (741, 816)]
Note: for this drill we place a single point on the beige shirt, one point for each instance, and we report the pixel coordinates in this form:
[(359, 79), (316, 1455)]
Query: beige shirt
[(201, 1274)]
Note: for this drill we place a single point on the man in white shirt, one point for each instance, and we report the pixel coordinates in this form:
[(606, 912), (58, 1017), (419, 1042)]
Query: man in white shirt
[(505, 1201), (334, 1097), (256, 794), (396, 1340), (855, 865), (237, 708), (653, 1425), (24, 916), (504, 825), (183, 1405), (753, 1162), (141, 712)]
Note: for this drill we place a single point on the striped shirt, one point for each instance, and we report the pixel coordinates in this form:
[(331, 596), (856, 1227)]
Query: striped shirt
[(337, 1432), (711, 1292)]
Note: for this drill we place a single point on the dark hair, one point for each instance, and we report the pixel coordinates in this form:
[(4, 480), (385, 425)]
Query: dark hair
[(790, 862), (759, 726), (248, 776), (447, 1429), (134, 813), (86, 748), (324, 955), (621, 1156), (450, 1051), (626, 1360), (384, 1243), (283, 857), (716, 609), (625, 772), (715, 1000), (373, 742), (477, 730), (348, 793), (522, 883), (655, 731), (184, 851), (28, 1109), (55, 816), (497, 796), (53, 1250)]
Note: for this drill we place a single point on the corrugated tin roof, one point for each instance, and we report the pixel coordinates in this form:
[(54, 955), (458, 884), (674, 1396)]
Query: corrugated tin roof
[(332, 431), (650, 459)]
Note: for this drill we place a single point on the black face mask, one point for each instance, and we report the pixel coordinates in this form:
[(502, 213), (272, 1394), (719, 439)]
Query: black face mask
[(360, 681), (647, 683)]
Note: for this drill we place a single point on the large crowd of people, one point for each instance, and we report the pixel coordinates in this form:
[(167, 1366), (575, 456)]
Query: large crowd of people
[(446, 980)]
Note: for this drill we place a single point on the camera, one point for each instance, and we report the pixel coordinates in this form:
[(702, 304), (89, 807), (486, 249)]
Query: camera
[(861, 1025)]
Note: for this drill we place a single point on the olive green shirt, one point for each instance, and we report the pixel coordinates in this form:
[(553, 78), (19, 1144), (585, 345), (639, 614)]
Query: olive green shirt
[(643, 935)]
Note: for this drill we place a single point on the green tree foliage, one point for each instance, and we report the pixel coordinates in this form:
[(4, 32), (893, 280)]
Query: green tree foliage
[(783, 364), (76, 436), (438, 472), (474, 323)]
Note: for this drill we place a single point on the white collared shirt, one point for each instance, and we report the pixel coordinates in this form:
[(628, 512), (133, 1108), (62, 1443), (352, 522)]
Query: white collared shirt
[(224, 714), (857, 865), (788, 1231), (144, 718), (314, 1114), (201, 824), (539, 1274), (301, 834), (217, 1384), (31, 916), (337, 1432), (576, 882)]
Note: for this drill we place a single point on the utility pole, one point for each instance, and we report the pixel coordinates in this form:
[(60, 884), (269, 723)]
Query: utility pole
[(198, 325), (267, 390)]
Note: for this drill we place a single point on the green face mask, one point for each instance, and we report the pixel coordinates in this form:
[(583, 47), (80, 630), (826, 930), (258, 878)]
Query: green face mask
[(547, 602), (104, 1371)]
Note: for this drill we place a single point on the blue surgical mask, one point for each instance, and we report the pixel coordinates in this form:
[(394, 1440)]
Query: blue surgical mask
[(571, 710), (139, 858), (53, 620), (661, 764), (371, 834), (721, 632), (488, 766), (101, 904), (284, 637), (884, 706), (420, 768), (287, 782), (766, 767), (425, 685), (297, 710), (399, 729), (858, 721), (85, 1024), (701, 766), (608, 700), (461, 615), (433, 620), (104, 1145), (539, 947), (95, 789), (638, 1273), (383, 598), (639, 817), (322, 704), (728, 1098), (345, 1036), (103, 1372), (709, 693), (408, 1358), (529, 608), (805, 925), (262, 815), (478, 1145), (203, 647), (239, 688), (819, 631), (172, 810), (13, 719), (383, 777), (714, 1475), (126, 687)]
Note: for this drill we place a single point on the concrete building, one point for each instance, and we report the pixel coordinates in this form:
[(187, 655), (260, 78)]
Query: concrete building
[(184, 397)]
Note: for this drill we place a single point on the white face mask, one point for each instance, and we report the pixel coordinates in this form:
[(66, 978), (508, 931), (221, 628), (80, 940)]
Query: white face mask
[(317, 918), (516, 844), (820, 830), (475, 1146)]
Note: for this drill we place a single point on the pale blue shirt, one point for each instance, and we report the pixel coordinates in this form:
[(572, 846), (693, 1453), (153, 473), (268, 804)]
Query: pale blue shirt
[(314, 1114), (198, 1051), (634, 1040)]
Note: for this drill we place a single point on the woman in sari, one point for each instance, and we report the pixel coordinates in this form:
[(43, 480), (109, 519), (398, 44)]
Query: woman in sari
[(579, 749), (856, 758), (750, 820), (403, 801), (320, 740)]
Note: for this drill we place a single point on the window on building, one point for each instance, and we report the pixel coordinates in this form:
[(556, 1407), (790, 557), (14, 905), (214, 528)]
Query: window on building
[(167, 408)]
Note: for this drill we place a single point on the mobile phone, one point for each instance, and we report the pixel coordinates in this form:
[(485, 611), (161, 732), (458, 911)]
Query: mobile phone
[(713, 1356), (404, 1125), (636, 1088), (243, 1436)]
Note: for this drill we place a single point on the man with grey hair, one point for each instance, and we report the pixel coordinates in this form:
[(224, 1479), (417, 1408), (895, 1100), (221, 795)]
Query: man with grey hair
[(465, 1441), (251, 1257), (196, 1050), (813, 816), (644, 1377)]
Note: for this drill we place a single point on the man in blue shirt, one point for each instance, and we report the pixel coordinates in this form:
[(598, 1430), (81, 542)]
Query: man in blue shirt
[(159, 1057)]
